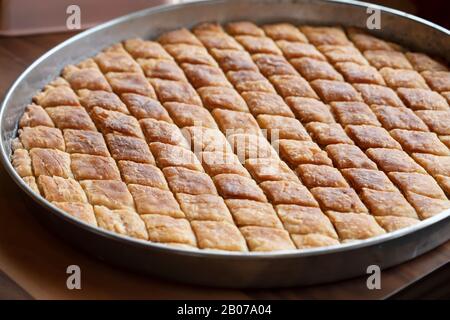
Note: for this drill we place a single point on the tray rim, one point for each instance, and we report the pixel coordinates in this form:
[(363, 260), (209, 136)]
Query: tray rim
[(203, 253)]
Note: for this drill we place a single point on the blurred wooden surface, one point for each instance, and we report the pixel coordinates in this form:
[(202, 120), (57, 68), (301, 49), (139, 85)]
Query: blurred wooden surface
[(33, 261)]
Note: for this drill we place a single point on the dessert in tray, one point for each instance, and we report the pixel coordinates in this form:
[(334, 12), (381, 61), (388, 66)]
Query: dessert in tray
[(244, 138)]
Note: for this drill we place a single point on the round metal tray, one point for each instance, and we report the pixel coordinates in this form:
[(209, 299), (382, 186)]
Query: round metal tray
[(225, 269)]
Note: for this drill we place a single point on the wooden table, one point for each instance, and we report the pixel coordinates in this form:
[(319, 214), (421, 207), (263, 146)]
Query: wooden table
[(33, 262)]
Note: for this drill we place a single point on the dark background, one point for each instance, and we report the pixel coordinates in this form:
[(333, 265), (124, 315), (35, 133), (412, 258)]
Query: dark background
[(437, 11)]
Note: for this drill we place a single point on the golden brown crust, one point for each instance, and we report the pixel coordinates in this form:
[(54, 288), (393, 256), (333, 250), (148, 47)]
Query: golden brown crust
[(151, 200), (79, 210), (205, 207), (305, 220), (187, 131), (253, 213), (355, 226), (267, 239), (220, 235)]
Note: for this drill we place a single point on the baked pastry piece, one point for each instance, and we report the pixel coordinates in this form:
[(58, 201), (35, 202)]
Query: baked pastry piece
[(233, 59), (325, 35), (205, 76), (144, 49), (182, 180), (396, 78), (390, 160), (161, 131), (338, 199), (103, 99), (151, 200), (80, 210), (356, 113), (130, 82), (292, 85), (435, 165), (162, 69), (288, 192), (258, 44), (204, 207), (312, 69), (238, 187), (320, 176), (332, 90), (299, 50), (218, 235), (57, 189), (87, 167), (143, 174), (122, 221), (185, 115), (387, 58), (86, 142), (372, 137), (144, 107), (349, 156), (380, 95), (427, 207), (415, 141), (50, 162), (35, 115), (305, 220), (109, 193), (205, 139), (301, 152), (355, 226), (313, 240), (310, 110), (418, 183), (269, 170), (21, 162), (218, 162), (436, 120), (235, 122), (356, 73), (371, 179), (399, 118), (85, 76), (41, 137), (266, 103), (179, 36), (244, 28), (284, 31), (176, 91), (168, 155), (337, 54), (248, 80), (437, 80), (267, 239), (422, 99), (186, 53), (273, 64), (249, 146), (253, 213), (129, 148), (166, 229), (279, 127), (53, 96), (327, 133), (116, 122), (222, 98), (394, 223), (387, 203), (422, 62), (31, 182)]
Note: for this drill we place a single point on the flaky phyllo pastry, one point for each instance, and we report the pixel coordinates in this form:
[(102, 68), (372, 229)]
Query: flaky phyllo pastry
[(244, 138)]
